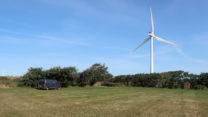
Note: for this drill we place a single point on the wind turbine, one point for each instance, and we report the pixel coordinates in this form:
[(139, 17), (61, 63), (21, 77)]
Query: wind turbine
[(151, 37)]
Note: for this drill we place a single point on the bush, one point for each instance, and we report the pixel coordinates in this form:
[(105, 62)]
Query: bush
[(201, 87), (66, 76), (203, 79), (172, 79), (5, 81), (32, 76), (111, 84), (95, 73), (9, 82)]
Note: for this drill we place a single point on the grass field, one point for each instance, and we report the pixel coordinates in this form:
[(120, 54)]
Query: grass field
[(103, 102)]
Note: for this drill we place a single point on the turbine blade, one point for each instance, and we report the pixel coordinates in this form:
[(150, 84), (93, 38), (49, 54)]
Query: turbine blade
[(168, 42), (152, 21), (141, 44)]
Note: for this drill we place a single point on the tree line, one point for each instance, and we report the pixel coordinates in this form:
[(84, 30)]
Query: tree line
[(172, 79), (69, 76)]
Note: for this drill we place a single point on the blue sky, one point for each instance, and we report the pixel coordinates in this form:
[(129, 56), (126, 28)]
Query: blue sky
[(48, 33)]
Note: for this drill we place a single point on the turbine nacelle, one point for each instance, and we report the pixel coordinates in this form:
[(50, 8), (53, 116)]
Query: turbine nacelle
[(151, 34)]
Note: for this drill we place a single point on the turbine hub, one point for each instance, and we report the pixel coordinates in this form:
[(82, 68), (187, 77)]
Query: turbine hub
[(151, 34)]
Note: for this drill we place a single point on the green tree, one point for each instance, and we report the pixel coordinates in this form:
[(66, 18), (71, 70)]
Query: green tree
[(32, 76), (203, 79), (68, 76), (97, 72)]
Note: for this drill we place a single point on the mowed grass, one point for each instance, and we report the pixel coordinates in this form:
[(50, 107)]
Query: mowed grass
[(103, 102)]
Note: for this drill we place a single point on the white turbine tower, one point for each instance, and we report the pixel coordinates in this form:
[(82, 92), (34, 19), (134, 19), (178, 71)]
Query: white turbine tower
[(151, 37)]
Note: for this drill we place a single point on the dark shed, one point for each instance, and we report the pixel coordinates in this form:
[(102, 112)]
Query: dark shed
[(48, 84), (187, 85)]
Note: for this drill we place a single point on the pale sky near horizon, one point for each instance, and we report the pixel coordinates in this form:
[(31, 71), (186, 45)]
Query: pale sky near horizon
[(48, 33)]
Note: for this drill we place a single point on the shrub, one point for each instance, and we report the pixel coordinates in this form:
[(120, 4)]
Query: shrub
[(9, 82), (95, 73), (201, 87), (203, 79), (111, 84), (32, 76), (66, 76)]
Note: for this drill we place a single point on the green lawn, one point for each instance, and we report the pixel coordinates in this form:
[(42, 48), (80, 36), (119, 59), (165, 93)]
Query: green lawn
[(103, 102)]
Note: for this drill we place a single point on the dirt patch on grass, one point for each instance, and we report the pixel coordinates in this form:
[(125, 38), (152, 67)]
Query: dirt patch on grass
[(97, 84), (4, 86)]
